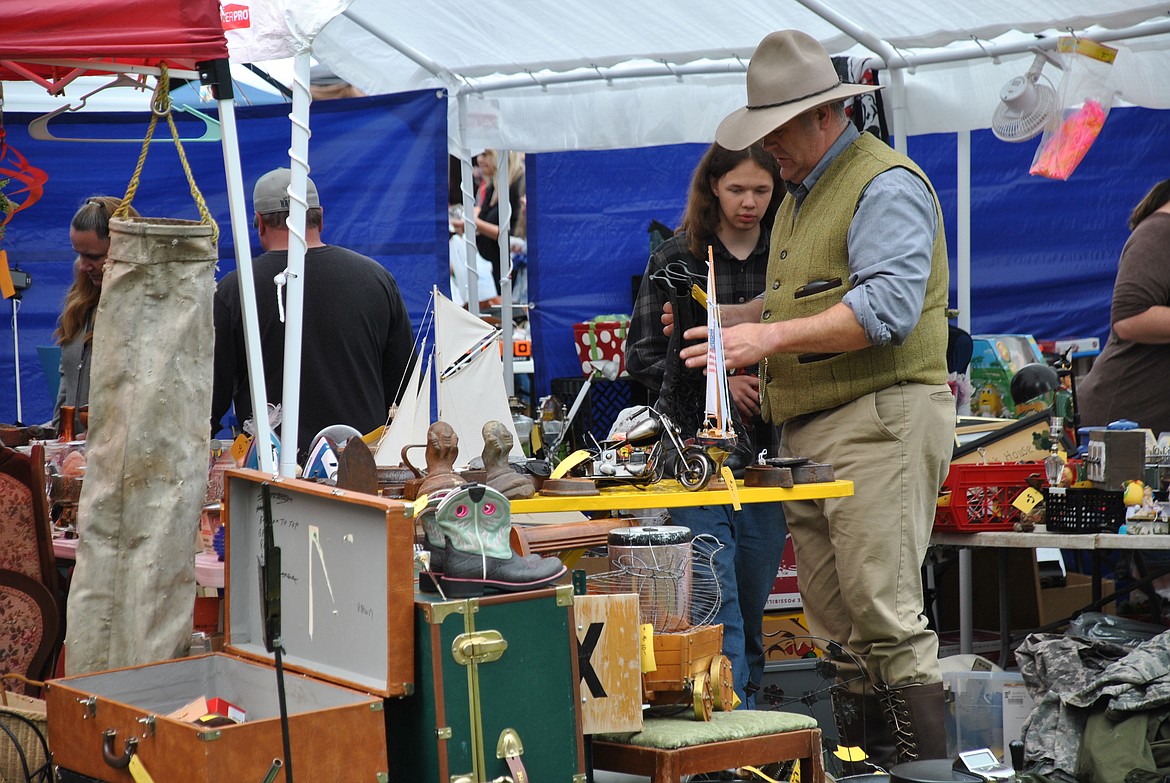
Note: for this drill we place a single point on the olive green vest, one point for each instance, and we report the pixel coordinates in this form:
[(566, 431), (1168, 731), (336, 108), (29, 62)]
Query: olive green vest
[(814, 247)]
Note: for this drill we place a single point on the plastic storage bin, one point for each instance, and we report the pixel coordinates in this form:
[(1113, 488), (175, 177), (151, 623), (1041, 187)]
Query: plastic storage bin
[(981, 495), (979, 704), (1083, 510)]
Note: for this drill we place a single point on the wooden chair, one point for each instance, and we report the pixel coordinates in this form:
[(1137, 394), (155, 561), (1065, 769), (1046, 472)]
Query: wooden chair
[(29, 627), (668, 748), (26, 533)]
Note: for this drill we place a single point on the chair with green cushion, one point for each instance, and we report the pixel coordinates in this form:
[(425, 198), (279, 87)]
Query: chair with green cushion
[(668, 748)]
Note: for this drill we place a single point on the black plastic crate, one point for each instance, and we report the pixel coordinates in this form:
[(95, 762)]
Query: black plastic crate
[(1083, 510), (600, 408)]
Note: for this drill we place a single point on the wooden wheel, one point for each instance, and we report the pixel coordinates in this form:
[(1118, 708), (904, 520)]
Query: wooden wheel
[(701, 696), (722, 683)]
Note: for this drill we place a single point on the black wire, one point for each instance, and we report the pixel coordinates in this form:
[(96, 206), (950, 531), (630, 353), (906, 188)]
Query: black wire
[(285, 91), (284, 735)]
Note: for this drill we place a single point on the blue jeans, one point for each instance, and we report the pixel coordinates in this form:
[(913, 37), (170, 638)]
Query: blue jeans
[(753, 541)]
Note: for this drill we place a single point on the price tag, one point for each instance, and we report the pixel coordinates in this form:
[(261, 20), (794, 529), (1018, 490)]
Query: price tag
[(137, 771), (646, 636), (1028, 500), (239, 448)]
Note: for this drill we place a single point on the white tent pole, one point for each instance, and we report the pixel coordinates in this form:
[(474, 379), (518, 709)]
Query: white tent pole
[(238, 209), (414, 55), (989, 50), (885, 56), (855, 31), (295, 285), (963, 227), (471, 251), (963, 285), (898, 109), (504, 199), (467, 189)]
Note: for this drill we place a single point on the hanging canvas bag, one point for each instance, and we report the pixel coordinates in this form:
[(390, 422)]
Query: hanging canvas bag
[(132, 597)]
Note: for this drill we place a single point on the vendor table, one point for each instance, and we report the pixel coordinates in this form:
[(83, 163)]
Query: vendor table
[(208, 568), (1040, 538), (670, 494)]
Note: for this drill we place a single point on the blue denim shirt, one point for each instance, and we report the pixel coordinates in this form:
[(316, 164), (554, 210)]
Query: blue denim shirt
[(890, 244)]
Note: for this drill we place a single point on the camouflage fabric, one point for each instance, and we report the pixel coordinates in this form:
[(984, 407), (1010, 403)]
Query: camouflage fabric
[(1055, 667), (1074, 680)]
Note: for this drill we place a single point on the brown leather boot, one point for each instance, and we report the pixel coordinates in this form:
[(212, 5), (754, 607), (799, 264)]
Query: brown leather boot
[(916, 713), (861, 723)]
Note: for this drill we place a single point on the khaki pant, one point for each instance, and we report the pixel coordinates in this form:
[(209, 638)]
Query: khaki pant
[(859, 558)]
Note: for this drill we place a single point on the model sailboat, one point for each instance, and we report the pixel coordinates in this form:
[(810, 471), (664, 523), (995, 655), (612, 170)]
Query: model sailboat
[(717, 428), (467, 366), (717, 431)]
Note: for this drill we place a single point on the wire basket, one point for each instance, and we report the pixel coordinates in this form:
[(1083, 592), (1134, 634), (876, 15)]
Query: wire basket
[(674, 593), (24, 752), (981, 495), (1083, 510)]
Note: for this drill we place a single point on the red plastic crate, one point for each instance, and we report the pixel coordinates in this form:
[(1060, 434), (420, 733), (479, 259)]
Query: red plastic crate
[(982, 495)]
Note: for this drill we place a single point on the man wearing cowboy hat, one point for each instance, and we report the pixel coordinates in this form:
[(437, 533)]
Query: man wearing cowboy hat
[(852, 336)]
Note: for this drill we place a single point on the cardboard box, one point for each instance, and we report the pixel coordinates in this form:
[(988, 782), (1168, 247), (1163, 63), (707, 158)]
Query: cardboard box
[(600, 341), (1057, 603), (1029, 605), (785, 595), (984, 643), (786, 637)]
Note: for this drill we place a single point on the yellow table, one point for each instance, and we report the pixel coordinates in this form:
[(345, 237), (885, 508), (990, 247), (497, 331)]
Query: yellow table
[(670, 494), (573, 538)]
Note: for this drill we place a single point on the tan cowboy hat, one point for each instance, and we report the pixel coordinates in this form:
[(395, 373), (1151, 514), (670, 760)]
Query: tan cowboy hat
[(789, 74)]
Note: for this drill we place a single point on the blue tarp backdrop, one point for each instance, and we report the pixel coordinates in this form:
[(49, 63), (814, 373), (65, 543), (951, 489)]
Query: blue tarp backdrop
[(1043, 253), (380, 165)]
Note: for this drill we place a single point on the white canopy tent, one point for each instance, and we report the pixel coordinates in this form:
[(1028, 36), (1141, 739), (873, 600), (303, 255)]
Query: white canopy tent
[(535, 76)]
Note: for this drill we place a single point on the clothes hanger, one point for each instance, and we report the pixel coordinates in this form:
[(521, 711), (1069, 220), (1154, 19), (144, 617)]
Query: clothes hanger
[(39, 127)]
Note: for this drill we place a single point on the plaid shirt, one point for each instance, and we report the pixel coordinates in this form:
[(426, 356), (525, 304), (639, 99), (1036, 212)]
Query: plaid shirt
[(737, 281), (648, 349)]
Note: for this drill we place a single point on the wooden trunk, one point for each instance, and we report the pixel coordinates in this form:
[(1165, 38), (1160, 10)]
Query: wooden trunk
[(347, 632), (494, 673), (337, 734)]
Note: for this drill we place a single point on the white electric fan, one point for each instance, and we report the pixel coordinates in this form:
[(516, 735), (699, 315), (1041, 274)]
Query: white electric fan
[(1026, 102)]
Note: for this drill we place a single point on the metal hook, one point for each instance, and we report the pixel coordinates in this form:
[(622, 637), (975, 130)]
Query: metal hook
[(543, 87), (673, 72), (994, 57)]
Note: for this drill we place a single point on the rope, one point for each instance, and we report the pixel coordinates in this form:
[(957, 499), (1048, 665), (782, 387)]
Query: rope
[(160, 106)]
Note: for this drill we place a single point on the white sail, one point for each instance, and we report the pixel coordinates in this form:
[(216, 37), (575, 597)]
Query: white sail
[(410, 424), (718, 407), (470, 375)]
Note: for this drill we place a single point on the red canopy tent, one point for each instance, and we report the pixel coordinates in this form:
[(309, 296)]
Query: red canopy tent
[(52, 42), (58, 40)]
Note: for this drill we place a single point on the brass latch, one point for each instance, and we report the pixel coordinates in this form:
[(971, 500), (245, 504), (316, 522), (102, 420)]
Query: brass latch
[(478, 647), (509, 746), (510, 749)]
